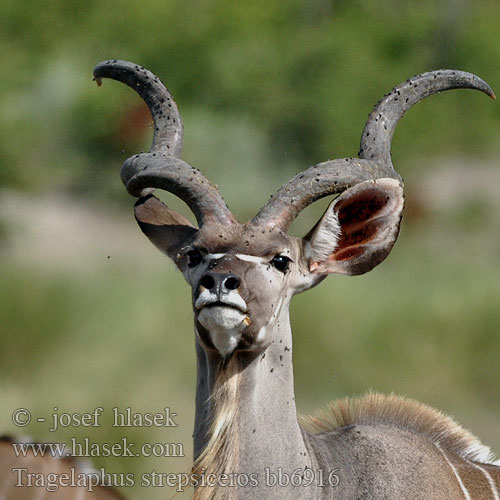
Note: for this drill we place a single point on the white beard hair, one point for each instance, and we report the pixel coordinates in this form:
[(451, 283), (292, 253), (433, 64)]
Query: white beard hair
[(224, 325)]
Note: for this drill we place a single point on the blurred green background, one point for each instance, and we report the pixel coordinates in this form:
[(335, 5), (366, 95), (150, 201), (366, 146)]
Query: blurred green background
[(92, 315)]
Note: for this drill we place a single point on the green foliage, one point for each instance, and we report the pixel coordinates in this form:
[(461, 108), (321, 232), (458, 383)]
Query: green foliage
[(304, 73)]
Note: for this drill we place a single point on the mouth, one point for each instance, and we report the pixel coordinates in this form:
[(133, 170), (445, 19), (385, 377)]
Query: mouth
[(219, 308), (212, 305), (209, 301)]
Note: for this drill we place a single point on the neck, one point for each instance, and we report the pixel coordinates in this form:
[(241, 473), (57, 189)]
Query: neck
[(246, 421)]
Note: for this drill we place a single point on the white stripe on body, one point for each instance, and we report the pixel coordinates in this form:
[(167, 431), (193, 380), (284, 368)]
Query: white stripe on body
[(488, 477), (465, 491)]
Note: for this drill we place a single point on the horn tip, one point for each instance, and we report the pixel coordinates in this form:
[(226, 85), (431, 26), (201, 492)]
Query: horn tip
[(104, 69)]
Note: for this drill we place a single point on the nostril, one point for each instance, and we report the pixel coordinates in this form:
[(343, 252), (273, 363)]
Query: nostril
[(232, 283), (207, 281)]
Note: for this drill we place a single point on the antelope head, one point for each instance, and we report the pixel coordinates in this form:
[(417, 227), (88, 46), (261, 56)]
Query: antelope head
[(243, 275)]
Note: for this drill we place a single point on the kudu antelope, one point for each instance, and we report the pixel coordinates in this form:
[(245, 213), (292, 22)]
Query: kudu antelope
[(248, 443), (243, 277)]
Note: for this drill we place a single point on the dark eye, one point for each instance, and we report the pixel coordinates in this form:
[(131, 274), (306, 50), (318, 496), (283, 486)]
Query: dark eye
[(194, 258), (280, 262)]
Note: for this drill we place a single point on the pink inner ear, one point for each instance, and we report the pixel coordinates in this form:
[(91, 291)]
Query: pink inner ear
[(362, 207), (360, 218)]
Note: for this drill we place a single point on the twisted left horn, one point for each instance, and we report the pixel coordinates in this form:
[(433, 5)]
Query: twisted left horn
[(161, 167)]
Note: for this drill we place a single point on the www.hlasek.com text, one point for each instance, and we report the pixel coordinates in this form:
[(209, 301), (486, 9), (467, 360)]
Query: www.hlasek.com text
[(88, 449)]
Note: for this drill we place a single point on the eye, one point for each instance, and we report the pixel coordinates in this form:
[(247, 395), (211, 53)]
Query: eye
[(194, 258), (280, 262)]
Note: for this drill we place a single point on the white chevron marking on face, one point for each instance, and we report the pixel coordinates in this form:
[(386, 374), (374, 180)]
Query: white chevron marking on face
[(215, 256), (240, 256), (251, 258)]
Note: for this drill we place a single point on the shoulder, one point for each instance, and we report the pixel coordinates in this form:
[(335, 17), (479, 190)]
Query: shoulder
[(403, 416)]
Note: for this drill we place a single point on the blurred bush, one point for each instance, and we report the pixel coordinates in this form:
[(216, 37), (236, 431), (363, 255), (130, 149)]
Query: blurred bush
[(302, 74)]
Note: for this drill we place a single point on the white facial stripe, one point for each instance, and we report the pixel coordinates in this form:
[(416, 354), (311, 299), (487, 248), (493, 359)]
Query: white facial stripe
[(240, 256), (215, 256), (251, 258)]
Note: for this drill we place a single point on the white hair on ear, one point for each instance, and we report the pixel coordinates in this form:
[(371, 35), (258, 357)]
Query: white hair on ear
[(325, 238)]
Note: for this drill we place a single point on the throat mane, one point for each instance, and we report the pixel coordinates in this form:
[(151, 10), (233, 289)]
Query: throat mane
[(220, 455)]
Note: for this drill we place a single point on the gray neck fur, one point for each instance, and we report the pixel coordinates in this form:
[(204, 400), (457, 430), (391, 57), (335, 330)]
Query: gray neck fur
[(263, 435)]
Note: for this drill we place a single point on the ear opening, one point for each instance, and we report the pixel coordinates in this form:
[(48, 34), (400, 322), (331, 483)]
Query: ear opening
[(358, 230), (166, 229)]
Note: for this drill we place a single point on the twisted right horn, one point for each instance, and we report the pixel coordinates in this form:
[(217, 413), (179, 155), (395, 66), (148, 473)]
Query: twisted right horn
[(379, 129), (335, 176)]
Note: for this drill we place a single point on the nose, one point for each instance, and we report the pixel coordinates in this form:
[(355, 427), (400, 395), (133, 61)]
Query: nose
[(220, 283)]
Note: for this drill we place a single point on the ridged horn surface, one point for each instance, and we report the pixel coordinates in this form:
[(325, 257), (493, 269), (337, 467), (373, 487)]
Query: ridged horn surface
[(161, 167), (333, 177)]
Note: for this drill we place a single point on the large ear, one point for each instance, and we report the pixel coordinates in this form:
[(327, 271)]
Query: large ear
[(358, 229), (168, 230)]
